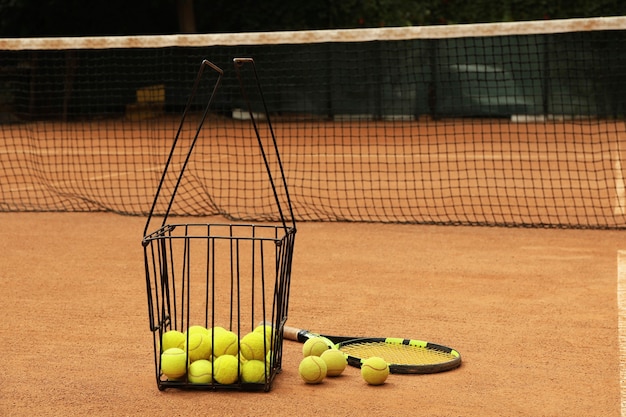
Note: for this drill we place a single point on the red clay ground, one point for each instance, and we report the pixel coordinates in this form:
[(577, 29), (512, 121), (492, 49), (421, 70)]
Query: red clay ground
[(532, 311)]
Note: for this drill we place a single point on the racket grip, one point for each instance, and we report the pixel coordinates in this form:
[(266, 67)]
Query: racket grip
[(293, 333)]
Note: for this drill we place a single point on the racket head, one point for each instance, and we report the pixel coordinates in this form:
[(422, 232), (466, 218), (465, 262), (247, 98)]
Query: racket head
[(404, 356)]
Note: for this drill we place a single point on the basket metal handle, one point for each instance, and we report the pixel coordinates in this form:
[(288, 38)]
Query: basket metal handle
[(203, 66), (238, 63)]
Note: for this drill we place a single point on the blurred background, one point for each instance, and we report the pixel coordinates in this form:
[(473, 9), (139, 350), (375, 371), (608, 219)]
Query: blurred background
[(24, 18)]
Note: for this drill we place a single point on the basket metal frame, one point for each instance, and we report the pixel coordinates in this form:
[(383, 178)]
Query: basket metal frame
[(190, 266)]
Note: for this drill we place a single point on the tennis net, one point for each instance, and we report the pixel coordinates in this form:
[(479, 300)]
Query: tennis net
[(507, 124)]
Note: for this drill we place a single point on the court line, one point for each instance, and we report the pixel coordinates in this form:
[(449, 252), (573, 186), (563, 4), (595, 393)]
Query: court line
[(621, 325), (422, 157), (620, 201), (76, 152), (439, 157), (620, 186), (120, 174)]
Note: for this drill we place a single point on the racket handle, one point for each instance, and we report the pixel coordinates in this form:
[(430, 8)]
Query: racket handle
[(293, 333)]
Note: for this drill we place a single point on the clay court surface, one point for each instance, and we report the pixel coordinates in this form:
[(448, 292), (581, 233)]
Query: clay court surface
[(534, 313)]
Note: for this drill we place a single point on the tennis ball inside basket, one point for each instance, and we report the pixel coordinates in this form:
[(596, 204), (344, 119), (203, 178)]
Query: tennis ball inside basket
[(200, 372), (198, 345), (215, 330), (172, 339), (265, 329), (335, 360), (315, 346), (212, 333), (226, 369), (174, 363), (374, 370), (195, 329), (312, 369), (253, 345), (225, 343), (254, 371)]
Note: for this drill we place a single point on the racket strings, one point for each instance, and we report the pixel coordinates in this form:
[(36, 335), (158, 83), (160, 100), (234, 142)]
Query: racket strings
[(397, 353)]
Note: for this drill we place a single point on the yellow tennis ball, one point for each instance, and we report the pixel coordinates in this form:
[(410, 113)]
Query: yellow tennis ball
[(267, 330), (198, 346), (172, 339), (225, 343), (374, 370), (200, 372), (174, 363), (254, 371), (263, 328), (212, 332), (215, 330), (268, 358), (335, 360), (315, 346), (253, 345), (195, 329), (226, 369), (312, 369)]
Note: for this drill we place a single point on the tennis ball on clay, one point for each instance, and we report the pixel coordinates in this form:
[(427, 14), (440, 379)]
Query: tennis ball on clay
[(225, 343), (335, 360), (198, 346), (254, 371), (172, 339), (374, 370), (252, 346), (174, 363), (200, 372), (226, 369), (315, 346), (312, 369)]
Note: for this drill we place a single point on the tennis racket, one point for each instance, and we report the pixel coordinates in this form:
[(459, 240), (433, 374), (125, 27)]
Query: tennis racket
[(404, 356)]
